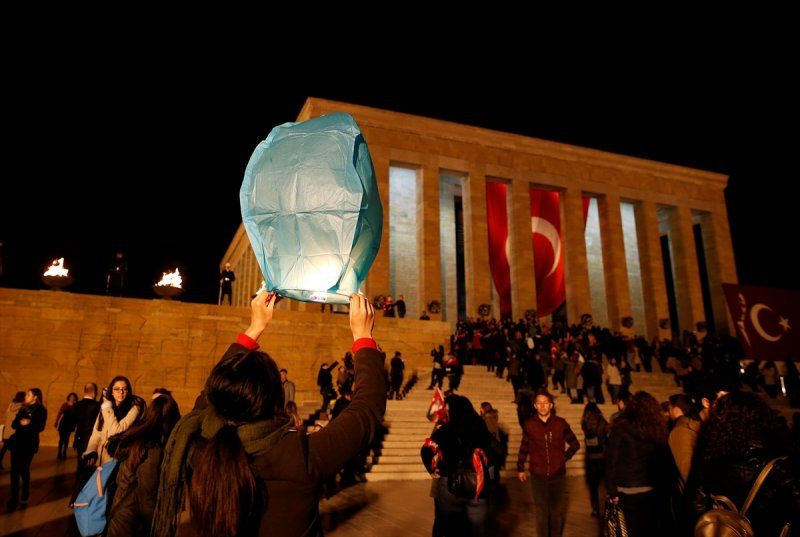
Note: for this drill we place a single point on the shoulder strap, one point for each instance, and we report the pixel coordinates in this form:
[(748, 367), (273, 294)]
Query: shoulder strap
[(757, 485)]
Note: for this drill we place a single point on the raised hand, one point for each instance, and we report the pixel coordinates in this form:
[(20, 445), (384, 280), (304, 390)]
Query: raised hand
[(362, 316), (262, 308)]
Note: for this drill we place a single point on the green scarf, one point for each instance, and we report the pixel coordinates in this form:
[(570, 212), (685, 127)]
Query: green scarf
[(257, 438)]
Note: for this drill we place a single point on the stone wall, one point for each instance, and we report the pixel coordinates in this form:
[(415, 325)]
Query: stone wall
[(59, 341)]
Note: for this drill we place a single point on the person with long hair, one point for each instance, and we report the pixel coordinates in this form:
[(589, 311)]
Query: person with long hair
[(119, 410), (29, 422), (595, 431), (636, 464), (293, 413), (742, 435), (65, 424), (140, 452), (453, 446), (247, 469)]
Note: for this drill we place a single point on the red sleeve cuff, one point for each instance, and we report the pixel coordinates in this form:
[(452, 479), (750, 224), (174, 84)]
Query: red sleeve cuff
[(246, 341), (364, 343)]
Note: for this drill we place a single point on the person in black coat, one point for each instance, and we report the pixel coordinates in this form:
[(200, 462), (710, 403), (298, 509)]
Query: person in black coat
[(30, 421), (637, 458), (741, 435), (85, 414), (400, 306), (325, 383), (226, 279)]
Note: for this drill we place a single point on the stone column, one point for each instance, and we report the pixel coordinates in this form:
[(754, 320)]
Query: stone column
[(523, 275), (378, 278), (576, 268), (615, 268), (428, 240), (688, 292), (476, 242), (654, 286), (720, 263)]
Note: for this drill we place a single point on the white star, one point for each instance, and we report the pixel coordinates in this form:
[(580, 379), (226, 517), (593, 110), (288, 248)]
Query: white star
[(784, 322)]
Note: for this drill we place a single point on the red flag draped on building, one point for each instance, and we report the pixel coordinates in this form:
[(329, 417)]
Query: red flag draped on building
[(548, 250), (497, 217), (766, 320)]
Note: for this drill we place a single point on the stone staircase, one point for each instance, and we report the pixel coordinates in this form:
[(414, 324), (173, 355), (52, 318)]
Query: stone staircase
[(398, 458)]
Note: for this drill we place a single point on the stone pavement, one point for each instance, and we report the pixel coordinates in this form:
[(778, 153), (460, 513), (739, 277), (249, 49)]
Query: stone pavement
[(388, 508)]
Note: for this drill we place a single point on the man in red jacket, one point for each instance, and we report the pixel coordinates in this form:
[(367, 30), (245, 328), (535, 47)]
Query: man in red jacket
[(545, 436)]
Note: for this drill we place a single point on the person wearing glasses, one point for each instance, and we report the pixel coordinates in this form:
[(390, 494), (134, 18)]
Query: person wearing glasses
[(120, 409)]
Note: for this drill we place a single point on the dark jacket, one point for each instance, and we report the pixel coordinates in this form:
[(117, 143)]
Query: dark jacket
[(26, 437), (85, 414), (632, 461), (596, 436), (401, 308), (546, 442), (324, 377), (777, 502), (292, 472), (135, 496)]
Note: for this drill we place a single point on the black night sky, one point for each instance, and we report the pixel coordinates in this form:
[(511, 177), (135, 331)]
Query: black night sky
[(154, 167)]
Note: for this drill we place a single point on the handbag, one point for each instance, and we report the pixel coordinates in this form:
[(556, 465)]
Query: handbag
[(614, 520)]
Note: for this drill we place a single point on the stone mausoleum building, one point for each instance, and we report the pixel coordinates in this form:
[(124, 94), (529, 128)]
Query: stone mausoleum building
[(654, 244)]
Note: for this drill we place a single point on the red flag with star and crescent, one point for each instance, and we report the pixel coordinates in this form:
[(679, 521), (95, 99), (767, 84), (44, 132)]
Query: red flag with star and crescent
[(548, 252), (767, 320)]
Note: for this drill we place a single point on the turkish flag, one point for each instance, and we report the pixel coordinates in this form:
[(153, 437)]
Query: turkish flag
[(548, 252), (497, 217), (767, 320)]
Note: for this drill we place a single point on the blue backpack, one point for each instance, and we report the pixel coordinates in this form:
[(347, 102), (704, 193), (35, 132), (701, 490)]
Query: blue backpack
[(92, 502)]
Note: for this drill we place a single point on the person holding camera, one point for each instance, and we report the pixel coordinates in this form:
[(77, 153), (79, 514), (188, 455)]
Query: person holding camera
[(119, 410), (30, 421)]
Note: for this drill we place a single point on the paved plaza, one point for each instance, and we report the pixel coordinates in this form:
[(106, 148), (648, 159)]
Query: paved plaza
[(387, 509)]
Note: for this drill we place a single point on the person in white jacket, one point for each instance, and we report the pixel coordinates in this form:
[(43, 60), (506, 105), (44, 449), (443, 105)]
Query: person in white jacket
[(120, 409)]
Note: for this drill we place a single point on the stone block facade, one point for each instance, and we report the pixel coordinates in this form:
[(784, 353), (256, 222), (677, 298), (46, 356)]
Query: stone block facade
[(59, 341)]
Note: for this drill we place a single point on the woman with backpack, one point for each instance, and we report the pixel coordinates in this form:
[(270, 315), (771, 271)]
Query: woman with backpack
[(247, 469), (741, 436), (139, 451), (460, 453), (595, 431), (118, 412)]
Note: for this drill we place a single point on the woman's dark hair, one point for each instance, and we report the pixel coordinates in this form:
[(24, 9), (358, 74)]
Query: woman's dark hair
[(224, 495), (643, 414), (152, 429), (19, 397), (464, 422), (682, 401), (72, 394), (121, 410), (592, 414), (740, 422), (38, 393)]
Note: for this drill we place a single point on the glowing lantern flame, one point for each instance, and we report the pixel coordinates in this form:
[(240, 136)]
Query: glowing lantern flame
[(171, 279), (57, 269)]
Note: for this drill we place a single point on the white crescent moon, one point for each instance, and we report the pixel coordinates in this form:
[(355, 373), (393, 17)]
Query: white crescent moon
[(548, 231), (754, 311)]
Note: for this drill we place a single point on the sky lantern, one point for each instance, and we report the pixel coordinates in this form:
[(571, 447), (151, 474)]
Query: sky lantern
[(311, 209)]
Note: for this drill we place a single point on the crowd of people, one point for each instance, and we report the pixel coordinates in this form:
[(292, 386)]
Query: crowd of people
[(243, 462), (663, 464)]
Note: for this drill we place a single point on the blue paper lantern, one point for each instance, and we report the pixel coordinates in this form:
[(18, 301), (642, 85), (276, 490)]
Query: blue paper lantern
[(311, 209)]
